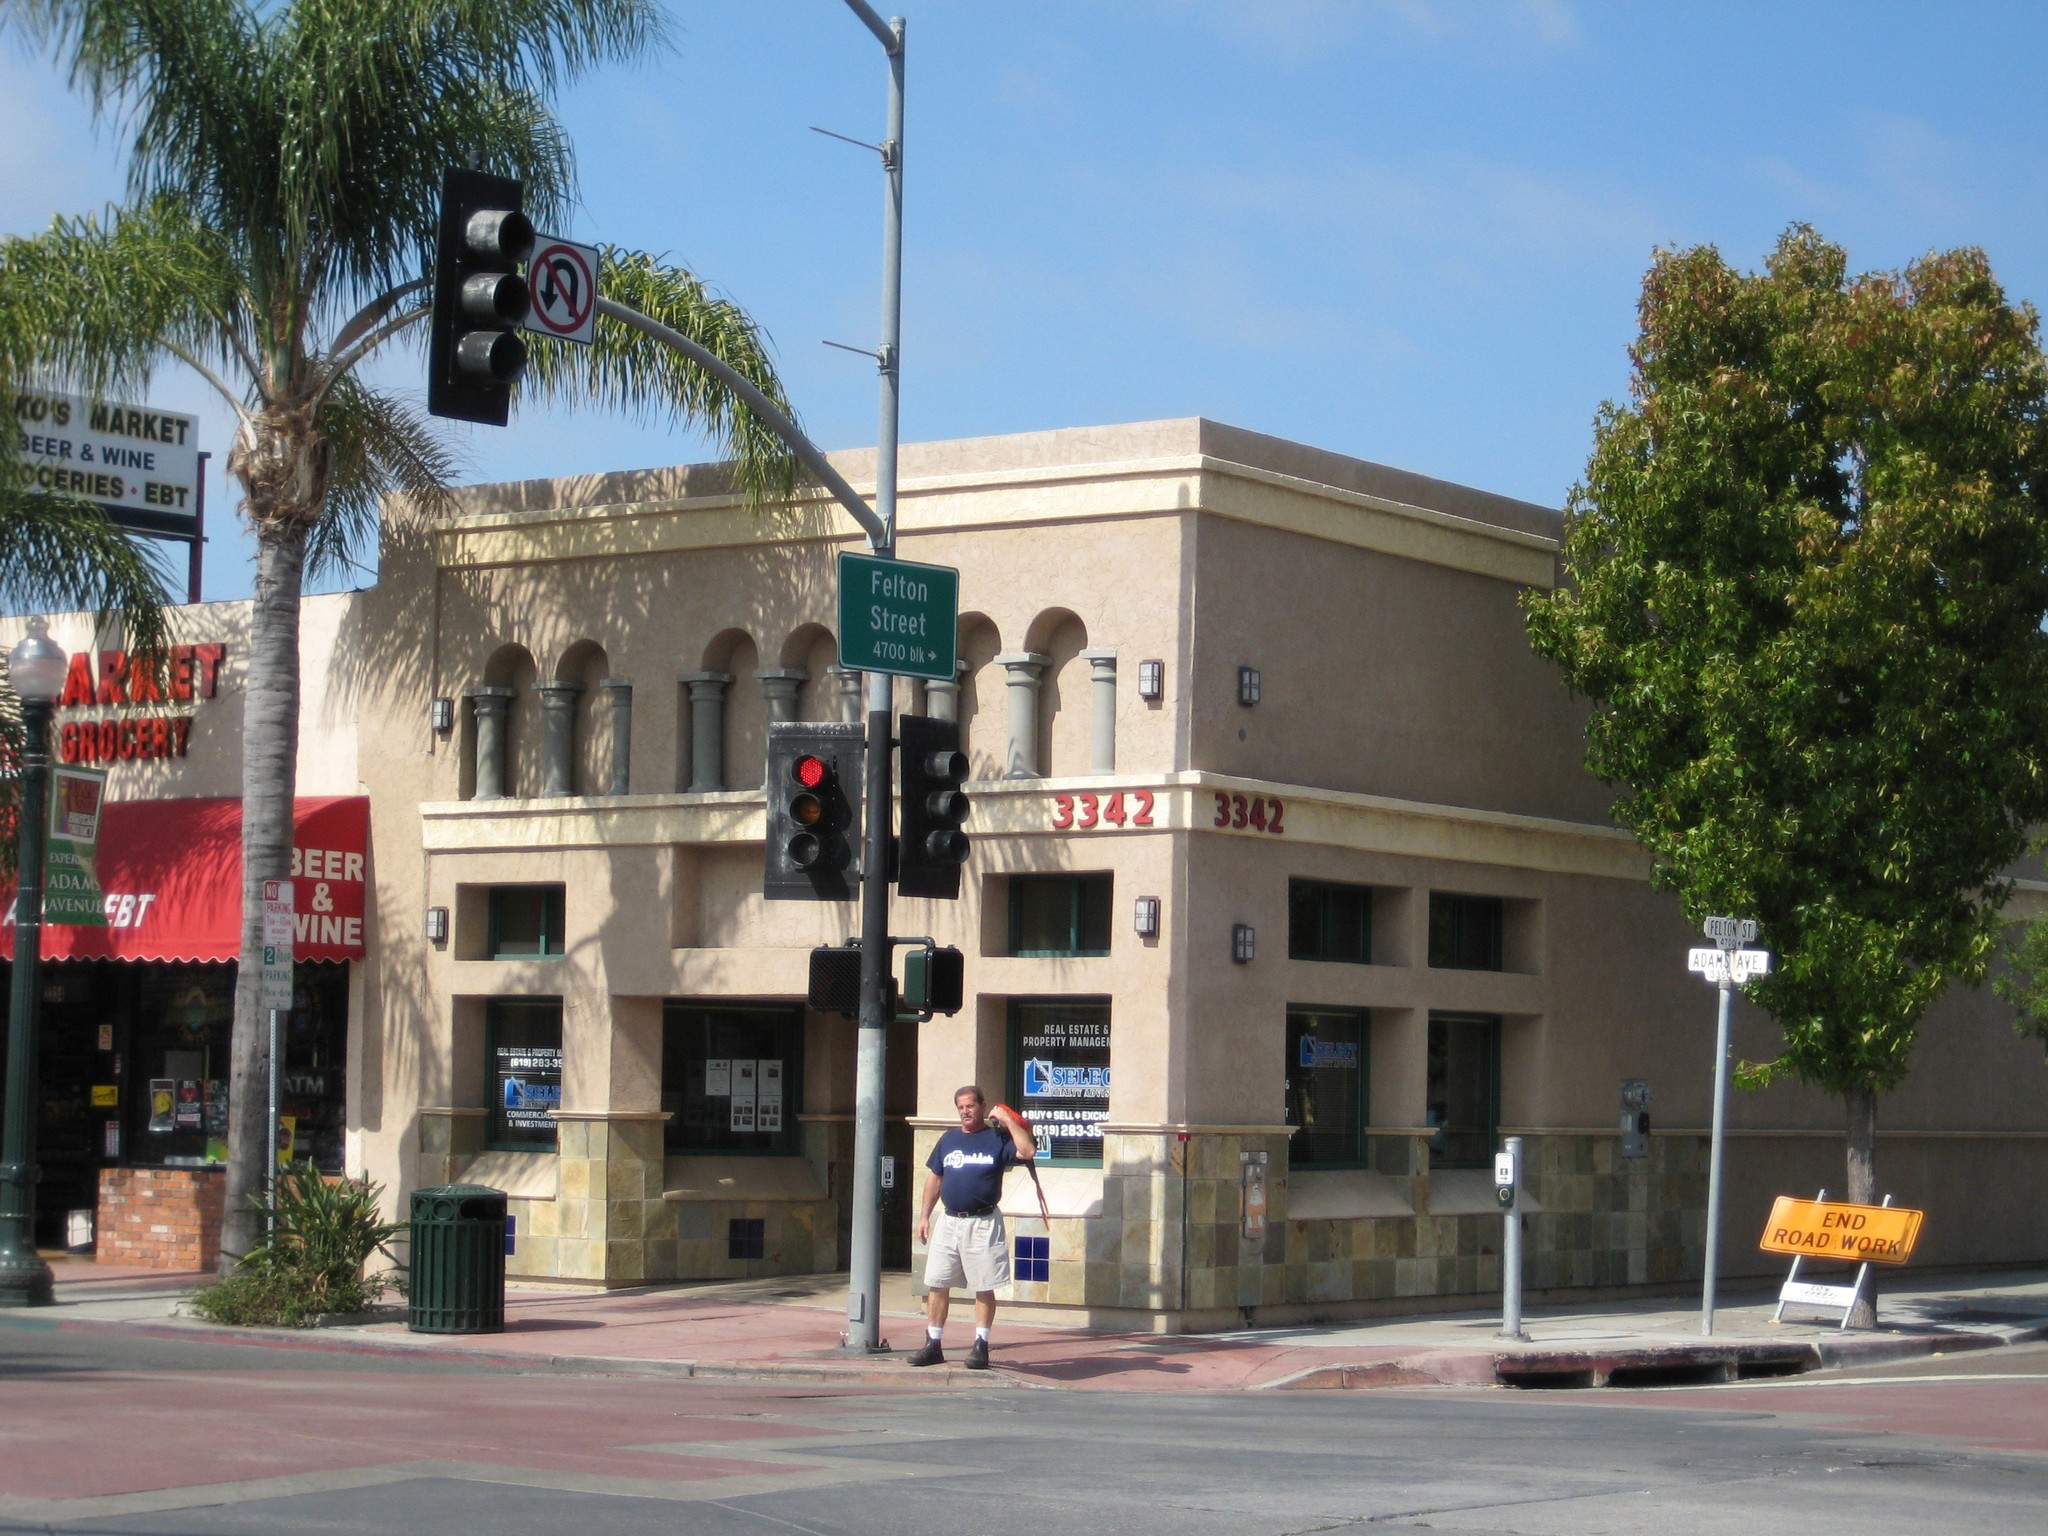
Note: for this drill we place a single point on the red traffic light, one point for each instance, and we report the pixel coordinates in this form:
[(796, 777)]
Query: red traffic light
[(812, 772)]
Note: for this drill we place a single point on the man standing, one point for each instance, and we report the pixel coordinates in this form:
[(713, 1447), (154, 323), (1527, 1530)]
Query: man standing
[(968, 1246)]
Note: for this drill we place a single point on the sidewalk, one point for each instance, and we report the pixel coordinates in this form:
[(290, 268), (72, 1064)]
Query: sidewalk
[(788, 1328)]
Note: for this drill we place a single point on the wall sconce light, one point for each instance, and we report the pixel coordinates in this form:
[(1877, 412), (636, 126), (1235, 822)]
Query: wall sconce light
[(437, 925), (1145, 917), (1152, 681), (1247, 685), (442, 715), (1244, 943)]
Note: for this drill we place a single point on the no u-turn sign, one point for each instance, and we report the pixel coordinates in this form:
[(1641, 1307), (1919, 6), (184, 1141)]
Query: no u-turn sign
[(562, 278)]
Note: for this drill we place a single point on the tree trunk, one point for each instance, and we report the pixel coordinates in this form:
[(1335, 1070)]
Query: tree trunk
[(270, 755), (1862, 1141)]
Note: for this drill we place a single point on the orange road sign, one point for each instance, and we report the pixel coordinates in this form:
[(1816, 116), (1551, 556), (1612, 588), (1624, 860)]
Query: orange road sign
[(1855, 1234)]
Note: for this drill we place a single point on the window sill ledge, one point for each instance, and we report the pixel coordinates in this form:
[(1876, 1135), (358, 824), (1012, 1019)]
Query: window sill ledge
[(699, 1178), (1343, 1194)]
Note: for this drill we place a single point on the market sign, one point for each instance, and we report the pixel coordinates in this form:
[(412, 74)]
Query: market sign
[(141, 464), (1851, 1234), (898, 617), (122, 700)]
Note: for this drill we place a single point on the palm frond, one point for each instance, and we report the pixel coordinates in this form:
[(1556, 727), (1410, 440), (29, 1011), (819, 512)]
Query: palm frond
[(380, 444), (59, 553), (630, 372)]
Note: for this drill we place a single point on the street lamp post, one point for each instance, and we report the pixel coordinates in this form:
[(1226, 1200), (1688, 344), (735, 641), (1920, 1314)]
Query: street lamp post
[(36, 667)]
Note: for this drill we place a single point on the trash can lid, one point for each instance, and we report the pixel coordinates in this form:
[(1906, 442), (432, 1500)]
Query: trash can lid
[(459, 1191)]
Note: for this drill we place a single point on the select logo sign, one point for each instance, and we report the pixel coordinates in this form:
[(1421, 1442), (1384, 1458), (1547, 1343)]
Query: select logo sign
[(1853, 1234)]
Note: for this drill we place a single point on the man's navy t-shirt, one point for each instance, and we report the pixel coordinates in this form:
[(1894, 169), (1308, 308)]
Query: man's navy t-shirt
[(970, 1168)]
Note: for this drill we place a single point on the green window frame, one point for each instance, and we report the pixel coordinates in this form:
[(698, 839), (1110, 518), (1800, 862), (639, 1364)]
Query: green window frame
[(696, 1035), (1060, 915), (1466, 932), (526, 922), (1043, 1029), (1464, 1089), (1329, 1066), (1329, 921), (520, 1033)]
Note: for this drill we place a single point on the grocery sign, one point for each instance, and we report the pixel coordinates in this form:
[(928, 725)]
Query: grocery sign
[(141, 464)]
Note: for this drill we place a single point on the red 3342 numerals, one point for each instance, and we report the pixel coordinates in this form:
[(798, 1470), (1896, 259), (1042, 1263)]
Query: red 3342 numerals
[(1087, 812), (1257, 812)]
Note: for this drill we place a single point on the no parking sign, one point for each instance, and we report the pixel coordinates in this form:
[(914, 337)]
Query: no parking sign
[(562, 279)]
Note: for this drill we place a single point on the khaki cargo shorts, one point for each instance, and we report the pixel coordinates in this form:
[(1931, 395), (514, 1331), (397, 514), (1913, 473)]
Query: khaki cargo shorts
[(969, 1251)]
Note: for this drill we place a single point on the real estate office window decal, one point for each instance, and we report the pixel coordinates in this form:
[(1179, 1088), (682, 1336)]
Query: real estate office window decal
[(523, 1056), (1059, 1073), (1326, 1087)]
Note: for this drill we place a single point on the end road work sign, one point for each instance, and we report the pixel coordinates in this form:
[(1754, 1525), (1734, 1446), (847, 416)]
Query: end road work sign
[(898, 617), (1850, 1234)]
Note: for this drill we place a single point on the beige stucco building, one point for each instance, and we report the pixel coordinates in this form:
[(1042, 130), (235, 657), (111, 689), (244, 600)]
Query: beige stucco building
[(1277, 697)]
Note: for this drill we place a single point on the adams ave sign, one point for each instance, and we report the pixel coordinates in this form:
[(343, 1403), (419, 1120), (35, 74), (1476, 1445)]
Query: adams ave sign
[(142, 465)]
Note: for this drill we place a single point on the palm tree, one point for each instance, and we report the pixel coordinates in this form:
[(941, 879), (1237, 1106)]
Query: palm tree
[(284, 169)]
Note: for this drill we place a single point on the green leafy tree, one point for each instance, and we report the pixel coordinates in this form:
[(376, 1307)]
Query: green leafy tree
[(284, 168), (1807, 573)]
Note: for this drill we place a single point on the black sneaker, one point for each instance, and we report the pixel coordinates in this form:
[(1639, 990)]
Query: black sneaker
[(931, 1354), (977, 1357)]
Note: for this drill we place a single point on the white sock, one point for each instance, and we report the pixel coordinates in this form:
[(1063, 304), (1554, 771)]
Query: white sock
[(932, 1330), (981, 1335)]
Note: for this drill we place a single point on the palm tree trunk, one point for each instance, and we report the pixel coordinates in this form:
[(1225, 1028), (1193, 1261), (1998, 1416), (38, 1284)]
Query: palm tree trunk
[(1862, 1143), (270, 754)]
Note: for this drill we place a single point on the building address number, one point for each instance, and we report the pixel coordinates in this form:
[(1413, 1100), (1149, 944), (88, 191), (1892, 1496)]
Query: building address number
[(1259, 812), (1086, 812)]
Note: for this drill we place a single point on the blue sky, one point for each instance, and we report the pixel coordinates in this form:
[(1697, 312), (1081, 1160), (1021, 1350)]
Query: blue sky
[(1409, 231)]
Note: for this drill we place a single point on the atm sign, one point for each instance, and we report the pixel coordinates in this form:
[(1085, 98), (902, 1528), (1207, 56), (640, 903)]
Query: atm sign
[(1853, 1234)]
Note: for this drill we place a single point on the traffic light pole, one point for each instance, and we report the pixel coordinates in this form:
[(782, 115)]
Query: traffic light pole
[(864, 1259)]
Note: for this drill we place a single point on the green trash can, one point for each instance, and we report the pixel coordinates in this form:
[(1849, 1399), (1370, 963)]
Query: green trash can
[(458, 1260)]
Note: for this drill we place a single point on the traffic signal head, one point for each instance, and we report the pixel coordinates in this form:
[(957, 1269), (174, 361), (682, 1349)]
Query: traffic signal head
[(931, 847), (814, 797), (934, 980), (480, 300)]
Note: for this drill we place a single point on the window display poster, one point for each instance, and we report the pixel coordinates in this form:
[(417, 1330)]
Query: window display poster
[(769, 1096), (163, 1104), (106, 1037), (191, 1114), (110, 1146), (1065, 1051), (718, 1077), (529, 1089), (216, 1107), (743, 1095)]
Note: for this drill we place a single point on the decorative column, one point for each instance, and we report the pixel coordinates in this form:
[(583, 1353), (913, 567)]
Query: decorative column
[(558, 737), (1027, 670), (707, 731), (852, 708), (779, 689), (619, 694), (1102, 715), (489, 706), (942, 697)]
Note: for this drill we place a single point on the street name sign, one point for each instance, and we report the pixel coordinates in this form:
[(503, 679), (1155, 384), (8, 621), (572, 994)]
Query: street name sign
[(1728, 932), (561, 278), (1849, 1234), (1738, 965), (277, 945), (898, 617)]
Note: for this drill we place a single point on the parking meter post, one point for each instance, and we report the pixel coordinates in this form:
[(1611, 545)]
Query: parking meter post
[(1713, 1259), (1511, 1250)]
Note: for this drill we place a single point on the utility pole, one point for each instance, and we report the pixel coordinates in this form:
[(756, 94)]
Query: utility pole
[(864, 1260)]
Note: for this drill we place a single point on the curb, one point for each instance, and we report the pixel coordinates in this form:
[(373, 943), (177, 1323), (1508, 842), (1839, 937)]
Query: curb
[(1651, 1366), (328, 1340)]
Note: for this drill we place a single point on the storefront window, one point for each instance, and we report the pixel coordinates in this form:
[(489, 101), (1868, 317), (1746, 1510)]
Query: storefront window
[(1059, 914), (526, 922), (523, 1045), (729, 1077), (1059, 1073), (1464, 1089), (1329, 922), (1326, 1087)]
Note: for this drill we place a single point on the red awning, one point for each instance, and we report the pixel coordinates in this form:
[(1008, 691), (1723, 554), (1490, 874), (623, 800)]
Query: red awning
[(172, 874)]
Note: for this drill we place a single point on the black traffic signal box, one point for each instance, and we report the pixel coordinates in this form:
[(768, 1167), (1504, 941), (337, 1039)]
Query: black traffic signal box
[(931, 847), (934, 980), (480, 300), (814, 799)]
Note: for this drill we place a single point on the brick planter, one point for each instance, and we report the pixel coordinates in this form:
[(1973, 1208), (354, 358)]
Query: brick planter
[(165, 1218)]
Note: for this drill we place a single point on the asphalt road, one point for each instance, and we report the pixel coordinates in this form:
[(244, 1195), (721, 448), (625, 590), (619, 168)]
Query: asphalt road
[(109, 1432)]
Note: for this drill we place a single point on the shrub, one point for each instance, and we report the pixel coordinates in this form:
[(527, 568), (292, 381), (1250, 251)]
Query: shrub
[(312, 1262)]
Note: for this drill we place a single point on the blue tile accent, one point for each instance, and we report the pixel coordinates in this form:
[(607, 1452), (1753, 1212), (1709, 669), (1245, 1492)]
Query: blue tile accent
[(1034, 1259)]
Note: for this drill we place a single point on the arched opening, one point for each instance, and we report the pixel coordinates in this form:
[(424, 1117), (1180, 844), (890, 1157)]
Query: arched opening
[(1063, 712), (510, 668), (984, 725), (744, 745), (584, 666)]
